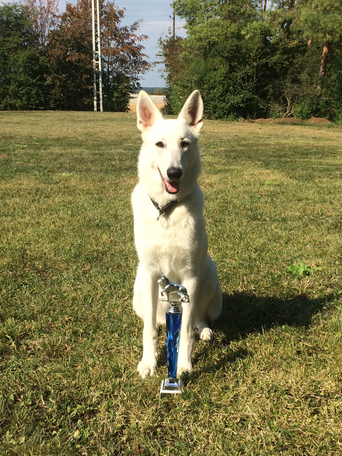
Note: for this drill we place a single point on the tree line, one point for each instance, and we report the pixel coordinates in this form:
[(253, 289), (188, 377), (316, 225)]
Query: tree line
[(257, 58), (46, 57)]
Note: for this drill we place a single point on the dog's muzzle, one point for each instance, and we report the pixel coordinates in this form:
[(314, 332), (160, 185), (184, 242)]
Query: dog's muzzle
[(172, 186)]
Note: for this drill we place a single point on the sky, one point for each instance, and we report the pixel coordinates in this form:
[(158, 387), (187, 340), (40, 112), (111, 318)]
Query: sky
[(156, 16)]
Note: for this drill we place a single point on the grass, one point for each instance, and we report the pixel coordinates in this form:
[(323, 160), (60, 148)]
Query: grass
[(269, 384)]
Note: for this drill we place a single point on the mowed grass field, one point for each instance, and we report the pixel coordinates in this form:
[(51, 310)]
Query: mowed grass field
[(271, 381)]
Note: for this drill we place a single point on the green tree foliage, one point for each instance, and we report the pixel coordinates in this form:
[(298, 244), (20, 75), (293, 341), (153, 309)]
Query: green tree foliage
[(69, 51), (22, 81), (178, 74), (316, 24), (252, 62), (46, 58), (123, 58), (42, 15)]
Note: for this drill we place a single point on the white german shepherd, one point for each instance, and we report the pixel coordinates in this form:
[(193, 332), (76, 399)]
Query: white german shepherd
[(169, 228)]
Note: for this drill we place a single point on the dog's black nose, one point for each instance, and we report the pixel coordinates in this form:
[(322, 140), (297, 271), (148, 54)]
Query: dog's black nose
[(174, 173)]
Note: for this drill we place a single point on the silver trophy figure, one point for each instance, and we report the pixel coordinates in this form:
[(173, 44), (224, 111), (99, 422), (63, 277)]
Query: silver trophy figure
[(172, 385)]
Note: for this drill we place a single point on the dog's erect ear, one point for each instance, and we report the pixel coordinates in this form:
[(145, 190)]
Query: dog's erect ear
[(192, 111), (147, 112)]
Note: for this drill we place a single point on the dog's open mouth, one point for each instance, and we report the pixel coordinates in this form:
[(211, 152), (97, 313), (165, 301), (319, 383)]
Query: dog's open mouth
[(172, 187)]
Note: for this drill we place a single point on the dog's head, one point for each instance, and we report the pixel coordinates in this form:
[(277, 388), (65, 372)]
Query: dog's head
[(170, 147)]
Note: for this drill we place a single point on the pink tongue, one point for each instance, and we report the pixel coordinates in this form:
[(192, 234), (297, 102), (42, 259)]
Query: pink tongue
[(172, 187)]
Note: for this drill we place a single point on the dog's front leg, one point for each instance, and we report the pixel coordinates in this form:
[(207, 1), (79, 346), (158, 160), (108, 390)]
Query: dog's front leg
[(186, 337), (149, 295)]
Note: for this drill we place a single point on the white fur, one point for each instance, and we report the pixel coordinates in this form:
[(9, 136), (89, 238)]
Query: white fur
[(176, 244)]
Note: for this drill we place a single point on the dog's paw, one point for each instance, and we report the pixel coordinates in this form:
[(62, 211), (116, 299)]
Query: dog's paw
[(207, 334), (183, 368), (146, 369)]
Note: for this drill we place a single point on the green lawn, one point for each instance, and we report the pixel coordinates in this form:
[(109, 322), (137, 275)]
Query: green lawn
[(271, 381)]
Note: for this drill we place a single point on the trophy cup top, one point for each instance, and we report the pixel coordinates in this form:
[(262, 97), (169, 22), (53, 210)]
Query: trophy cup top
[(169, 287)]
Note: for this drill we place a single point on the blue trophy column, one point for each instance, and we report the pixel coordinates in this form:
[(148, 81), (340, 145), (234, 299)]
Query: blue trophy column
[(173, 325)]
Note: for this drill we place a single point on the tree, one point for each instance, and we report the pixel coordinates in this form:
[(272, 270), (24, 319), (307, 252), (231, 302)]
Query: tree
[(176, 72), (251, 61), (316, 23), (70, 57), (123, 58), (223, 55), (42, 14), (321, 22), (46, 58), (22, 81)]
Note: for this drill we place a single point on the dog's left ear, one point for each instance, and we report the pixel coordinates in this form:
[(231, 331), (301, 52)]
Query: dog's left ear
[(192, 111), (147, 112)]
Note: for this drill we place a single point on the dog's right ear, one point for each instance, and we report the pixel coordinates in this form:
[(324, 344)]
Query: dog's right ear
[(147, 112)]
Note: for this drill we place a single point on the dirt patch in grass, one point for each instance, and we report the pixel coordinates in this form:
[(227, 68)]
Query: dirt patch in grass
[(319, 120), (279, 120), (315, 120)]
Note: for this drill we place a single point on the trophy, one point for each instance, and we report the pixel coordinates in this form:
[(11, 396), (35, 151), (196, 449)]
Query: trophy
[(172, 385)]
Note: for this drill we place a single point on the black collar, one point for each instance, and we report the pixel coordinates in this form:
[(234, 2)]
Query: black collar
[(162, 210)]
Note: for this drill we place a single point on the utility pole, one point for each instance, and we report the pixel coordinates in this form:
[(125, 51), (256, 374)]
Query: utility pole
[(174, 23), (97, 64)]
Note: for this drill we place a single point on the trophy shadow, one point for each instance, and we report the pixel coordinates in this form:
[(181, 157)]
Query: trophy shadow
[(244, 314)]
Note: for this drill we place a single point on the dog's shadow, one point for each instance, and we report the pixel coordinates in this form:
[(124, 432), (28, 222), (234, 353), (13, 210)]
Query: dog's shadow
[(244, 314)]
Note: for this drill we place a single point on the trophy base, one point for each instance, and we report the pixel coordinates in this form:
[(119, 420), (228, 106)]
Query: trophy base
[(171, 386)]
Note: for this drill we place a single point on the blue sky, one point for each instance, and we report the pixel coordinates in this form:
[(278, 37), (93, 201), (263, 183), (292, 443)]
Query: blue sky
[(156, 19)]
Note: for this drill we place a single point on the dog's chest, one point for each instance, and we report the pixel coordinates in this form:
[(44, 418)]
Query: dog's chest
[(176, 228), (173, 238)]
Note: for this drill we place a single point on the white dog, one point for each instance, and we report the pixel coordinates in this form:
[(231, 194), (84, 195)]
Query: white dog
[(169, 228)]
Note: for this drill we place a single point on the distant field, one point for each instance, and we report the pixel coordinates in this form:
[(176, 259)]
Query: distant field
[(271, 381), (159, 101)]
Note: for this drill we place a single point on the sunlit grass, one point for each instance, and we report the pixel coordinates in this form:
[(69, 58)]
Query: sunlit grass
[(269, 384)]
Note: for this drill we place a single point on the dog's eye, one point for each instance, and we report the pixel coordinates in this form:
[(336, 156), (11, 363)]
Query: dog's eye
[(160, 144), (184, 144)]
